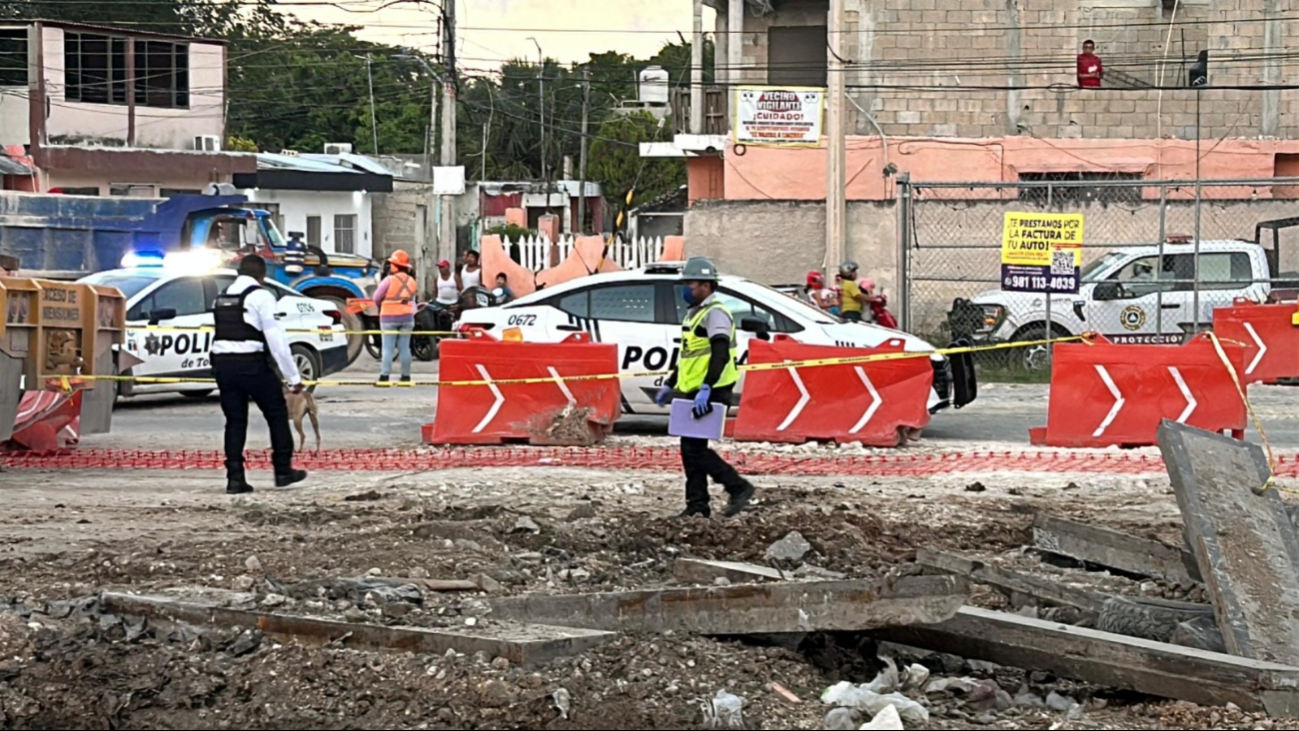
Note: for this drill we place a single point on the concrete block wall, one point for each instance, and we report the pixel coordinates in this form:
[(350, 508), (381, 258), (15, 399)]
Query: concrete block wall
[(396, 222), (963, 45)]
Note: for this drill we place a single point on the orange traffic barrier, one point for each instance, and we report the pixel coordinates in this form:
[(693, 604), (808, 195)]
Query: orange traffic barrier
[(1103, 394), (551, 409), (47, 421), (1268, 335), (879, 403)]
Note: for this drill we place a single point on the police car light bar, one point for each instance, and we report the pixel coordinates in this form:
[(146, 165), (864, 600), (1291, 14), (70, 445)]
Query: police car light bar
[(141, 259), (665, 267)]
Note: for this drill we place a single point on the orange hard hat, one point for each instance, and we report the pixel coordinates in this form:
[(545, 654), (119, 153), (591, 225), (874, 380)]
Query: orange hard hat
[(399, 258)]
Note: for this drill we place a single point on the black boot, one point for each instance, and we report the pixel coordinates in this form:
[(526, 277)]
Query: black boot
[(739, 501), (292, 478), (238, 487), (692, 512)]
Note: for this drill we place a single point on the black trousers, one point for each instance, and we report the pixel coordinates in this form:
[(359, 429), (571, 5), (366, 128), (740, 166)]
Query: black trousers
[(244, 378), (700, 462)]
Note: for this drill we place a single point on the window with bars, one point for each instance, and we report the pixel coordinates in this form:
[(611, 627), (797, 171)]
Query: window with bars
[(345, 233), (13, 57), (162, 74), (1073, 188), (96, 70)]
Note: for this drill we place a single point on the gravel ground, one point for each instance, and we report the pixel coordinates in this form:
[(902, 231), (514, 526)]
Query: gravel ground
[(72, 535), (68, 535)]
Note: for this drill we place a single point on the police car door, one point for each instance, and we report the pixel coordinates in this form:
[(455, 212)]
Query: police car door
[(182, 352), (629, 315), (740, 307), (1139, 303)]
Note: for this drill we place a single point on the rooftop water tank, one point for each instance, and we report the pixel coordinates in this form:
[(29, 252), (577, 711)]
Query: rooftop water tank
[(654, 85)]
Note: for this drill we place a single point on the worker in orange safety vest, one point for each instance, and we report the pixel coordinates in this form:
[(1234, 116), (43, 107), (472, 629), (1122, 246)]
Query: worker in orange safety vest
[(396, 298)]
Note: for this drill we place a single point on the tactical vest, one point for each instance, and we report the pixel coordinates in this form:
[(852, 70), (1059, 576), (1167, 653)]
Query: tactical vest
[(228, 311)]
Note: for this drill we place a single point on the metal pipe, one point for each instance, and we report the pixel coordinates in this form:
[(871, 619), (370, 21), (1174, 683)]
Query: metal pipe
[(1195, 302), (1163, 237)]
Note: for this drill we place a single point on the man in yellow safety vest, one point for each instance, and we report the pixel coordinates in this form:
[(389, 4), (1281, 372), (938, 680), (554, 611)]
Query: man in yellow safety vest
[(706, 373)]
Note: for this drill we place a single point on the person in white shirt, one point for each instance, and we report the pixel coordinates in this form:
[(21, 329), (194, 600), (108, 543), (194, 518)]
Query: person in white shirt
[(247, 337), (471, 274), (447, 289)]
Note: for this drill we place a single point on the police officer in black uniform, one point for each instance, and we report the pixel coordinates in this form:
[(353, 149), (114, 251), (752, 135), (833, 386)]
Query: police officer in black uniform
[(247, 338)]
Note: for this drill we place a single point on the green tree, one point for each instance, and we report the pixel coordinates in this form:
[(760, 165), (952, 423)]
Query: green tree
[(616, 162)]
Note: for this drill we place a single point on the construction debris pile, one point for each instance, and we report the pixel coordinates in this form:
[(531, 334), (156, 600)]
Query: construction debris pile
[(801, 616)]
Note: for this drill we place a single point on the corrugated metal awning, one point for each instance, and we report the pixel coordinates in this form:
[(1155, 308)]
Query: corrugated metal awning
[(10, 166)]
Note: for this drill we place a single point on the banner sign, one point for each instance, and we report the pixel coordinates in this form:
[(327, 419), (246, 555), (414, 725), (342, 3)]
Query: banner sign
[(782, 117), (1041, 252)]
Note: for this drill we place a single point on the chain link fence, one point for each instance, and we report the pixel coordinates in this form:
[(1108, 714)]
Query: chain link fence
[(1144, 276)]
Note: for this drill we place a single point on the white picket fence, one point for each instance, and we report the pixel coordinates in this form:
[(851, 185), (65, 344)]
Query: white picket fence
[(535, 252)]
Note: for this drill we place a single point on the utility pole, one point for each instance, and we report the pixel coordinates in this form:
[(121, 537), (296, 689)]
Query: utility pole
[(374, 123), (581, 164), (541, 103), (836, 206), (697, 72), (446, 212)]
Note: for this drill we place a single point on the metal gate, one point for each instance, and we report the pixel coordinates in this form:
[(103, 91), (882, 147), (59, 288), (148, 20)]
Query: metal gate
[(951, 256)]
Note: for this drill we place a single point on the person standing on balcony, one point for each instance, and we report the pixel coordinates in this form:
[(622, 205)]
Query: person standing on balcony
[(1090, 68)]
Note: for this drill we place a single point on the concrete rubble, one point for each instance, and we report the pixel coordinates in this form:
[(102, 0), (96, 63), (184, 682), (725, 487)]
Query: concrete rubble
[(764, 623)]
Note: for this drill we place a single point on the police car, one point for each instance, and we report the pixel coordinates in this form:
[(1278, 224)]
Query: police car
[(642, 311), (157, 295)]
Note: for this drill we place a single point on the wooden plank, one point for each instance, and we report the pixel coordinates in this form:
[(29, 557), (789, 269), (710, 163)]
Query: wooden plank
[(523, 644), (1244, 543), (1115, 550), (1116, 661), (706, 572), (1011, 582), (750, 608)]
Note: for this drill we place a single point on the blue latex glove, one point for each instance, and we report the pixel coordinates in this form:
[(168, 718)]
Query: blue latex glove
[(703, 406), (663, 396)]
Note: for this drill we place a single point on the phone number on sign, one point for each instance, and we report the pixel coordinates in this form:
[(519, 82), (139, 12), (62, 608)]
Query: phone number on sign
[(1033, 283)]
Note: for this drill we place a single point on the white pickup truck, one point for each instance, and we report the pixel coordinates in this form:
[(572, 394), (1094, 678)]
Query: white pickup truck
[(1133, 295)]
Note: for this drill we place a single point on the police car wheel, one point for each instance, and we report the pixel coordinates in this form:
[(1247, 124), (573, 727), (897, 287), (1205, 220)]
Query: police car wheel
[(308, 362)]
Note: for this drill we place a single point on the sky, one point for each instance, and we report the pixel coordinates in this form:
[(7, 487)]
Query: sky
[(493, 31)]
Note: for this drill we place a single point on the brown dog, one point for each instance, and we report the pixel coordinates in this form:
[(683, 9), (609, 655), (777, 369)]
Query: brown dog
[(300, 405)]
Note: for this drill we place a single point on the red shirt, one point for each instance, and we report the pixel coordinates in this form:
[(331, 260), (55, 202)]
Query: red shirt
[(1089, 63)]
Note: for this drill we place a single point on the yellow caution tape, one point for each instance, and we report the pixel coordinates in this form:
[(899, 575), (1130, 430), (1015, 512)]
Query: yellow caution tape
[(307, 331), (1258, 423), (784, 365)]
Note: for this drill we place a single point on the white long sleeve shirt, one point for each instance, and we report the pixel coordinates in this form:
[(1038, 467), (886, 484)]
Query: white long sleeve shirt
[(259, 311)]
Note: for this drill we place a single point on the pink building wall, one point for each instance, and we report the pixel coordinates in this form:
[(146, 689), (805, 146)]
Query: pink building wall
[(768, 173)]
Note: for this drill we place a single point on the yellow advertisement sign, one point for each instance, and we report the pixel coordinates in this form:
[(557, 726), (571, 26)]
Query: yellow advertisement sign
[(1031, 239)]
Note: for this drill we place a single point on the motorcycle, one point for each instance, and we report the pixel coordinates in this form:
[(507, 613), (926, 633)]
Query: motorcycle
[(429, 317)]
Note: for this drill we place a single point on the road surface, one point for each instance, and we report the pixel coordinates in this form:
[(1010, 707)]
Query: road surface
[(369, 417)]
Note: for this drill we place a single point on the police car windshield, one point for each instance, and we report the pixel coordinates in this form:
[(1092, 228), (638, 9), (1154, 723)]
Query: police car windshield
[(1091, 271), (129, 283)]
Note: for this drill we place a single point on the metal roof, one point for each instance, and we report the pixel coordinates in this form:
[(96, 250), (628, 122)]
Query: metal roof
[(10, 166)]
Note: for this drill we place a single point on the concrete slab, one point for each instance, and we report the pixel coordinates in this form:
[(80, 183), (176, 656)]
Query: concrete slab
[(1021, 588), (1116, 661), (706, 572), (750, 608), (521, 644), (1244, 544), (1112, 549)]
